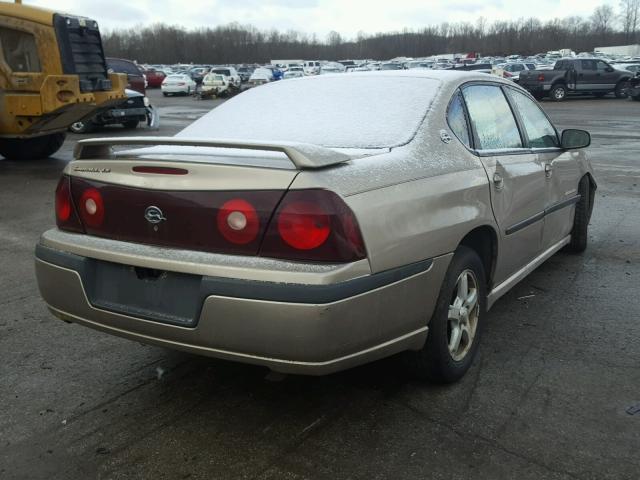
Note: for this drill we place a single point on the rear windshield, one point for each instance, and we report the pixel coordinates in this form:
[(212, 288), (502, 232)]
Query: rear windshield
[(359, 111)]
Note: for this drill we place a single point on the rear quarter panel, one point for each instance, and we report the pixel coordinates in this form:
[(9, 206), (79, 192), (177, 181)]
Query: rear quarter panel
[(419, 200)]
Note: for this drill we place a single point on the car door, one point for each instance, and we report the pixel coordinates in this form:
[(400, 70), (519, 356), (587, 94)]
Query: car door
[(588, 75), (516, 176), (607, 76), (562, 171)]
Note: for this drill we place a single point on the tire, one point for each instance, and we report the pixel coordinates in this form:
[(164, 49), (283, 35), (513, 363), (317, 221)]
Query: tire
[(558, 92), (621, 89), (600, 94), (131, 124), (635, 98), (165, 94), (31, 148), (579, 232), (436, 361)]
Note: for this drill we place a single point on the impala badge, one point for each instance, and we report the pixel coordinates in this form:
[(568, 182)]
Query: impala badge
[(154, 215)]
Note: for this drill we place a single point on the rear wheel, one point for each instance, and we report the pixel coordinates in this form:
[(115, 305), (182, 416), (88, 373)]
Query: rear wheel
[(558, 92), (621, 89), (579, 232), (165, 94), (456, 325), (31, 148)]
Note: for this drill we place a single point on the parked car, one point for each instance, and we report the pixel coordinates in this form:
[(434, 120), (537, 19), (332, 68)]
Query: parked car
[(135, 78), (312, 67), (154, 77), (135, 109), (629, 67), (216, 84), (245, 73), (178, 84), (576, 76), (294, 72), (420, 65), (197, 74), (260, 76), (512, 70), (391, 66), (388, 221), (634, 88), (232, 75)]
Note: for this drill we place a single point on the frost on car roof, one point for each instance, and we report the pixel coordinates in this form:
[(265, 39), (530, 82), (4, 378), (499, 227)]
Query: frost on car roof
[(354, 111)]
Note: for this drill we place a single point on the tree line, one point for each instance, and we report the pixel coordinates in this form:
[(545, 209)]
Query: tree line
[(236, 43)]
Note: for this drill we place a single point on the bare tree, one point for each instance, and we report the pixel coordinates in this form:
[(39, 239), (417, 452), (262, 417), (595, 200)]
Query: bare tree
[(629, 16), (236, 43), (602, 20)]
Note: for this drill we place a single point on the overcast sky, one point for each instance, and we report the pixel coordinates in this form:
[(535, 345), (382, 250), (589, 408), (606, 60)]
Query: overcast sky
[(316, 16)]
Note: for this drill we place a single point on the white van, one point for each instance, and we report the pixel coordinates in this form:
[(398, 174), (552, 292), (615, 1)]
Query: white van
[(311, 67)]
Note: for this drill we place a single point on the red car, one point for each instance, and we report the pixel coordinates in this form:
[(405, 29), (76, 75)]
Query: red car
[(154, 78)]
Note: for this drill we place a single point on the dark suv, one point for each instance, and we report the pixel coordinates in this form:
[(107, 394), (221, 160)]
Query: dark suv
[(134, 74), (591, 76)]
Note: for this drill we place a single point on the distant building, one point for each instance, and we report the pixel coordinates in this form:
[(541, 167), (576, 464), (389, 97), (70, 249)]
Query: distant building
[(631, 50)]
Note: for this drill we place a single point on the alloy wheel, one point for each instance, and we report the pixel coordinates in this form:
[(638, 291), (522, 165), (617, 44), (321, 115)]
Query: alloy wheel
[(464, 310)]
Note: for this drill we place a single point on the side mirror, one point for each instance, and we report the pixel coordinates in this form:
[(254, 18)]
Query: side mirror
[(573, 138), (609, 69)]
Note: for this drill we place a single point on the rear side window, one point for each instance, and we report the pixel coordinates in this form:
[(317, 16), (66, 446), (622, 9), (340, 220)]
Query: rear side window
[(491, 118), (457, 120), (539, 130), (588, 64), (120, 66), (19, 50)]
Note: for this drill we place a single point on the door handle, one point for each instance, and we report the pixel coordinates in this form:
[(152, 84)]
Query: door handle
[(498, 181), (548, 169)]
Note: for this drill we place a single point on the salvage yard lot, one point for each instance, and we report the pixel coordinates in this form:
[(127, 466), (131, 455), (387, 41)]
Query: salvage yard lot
[(548, 396)]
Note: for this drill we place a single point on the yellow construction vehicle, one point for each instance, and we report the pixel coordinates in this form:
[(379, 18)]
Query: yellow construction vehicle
[(52, 74)]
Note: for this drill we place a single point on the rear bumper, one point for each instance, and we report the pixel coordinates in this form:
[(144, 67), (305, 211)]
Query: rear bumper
[(288, 327)]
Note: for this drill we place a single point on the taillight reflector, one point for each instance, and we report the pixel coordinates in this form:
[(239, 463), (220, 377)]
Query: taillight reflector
[(92, 208), (541, 77), (238, 221)]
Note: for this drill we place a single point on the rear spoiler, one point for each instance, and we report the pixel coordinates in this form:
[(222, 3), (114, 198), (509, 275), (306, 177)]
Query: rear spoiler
[(302, 155)]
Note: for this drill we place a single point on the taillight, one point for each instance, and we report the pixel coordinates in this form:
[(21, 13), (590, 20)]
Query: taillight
[(66, 218), (238, 221), (541, 77), (313, 225), (303, 225), (91, 208), (507, 74)]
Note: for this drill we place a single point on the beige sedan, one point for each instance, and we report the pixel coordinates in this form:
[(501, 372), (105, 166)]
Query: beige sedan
[(387, 215)]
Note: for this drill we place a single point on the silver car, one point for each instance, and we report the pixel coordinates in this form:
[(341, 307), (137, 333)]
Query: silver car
[(388, 215)]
